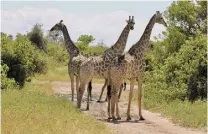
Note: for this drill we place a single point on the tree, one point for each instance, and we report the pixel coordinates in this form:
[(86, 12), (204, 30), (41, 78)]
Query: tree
[(10, 37), (86, 39), (83, 42), (36, 37)]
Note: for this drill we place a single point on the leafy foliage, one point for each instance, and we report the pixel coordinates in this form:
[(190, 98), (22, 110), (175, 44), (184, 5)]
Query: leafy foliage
[(6, 83), (36, 36), (83, 42), (177, 65), (22, 58), (58, 53)]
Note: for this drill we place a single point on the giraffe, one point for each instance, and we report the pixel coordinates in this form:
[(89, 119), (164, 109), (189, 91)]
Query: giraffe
[(130, 66), (75, 56), (98, 66)]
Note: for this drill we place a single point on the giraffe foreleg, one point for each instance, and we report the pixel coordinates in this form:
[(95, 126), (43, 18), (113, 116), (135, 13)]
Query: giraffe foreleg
[(140, 98), (77, 83), (113, 100), (117, 108), (130, 98), (72, 85), (80, 94), (120, 91)]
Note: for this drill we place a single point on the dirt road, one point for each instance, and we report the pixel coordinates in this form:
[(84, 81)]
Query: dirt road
[(154, 123)]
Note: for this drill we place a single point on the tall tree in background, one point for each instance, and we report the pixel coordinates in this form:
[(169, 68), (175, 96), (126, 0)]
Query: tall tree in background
[(36, 37), (83, 41)]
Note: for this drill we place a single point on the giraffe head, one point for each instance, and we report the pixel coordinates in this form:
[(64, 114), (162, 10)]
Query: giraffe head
[(160, 19), (58, 26), (131, 22)]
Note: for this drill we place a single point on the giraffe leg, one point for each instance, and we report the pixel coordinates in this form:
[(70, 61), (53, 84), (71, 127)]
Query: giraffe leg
[(140, 98), (124, 86), (90, 90), (117, 108), (103, 88), (113, 100), (120, 91), (106, 98), (77, 83), (130, 98), (88, 97), (80, 94), (72, 85), (109, 101)]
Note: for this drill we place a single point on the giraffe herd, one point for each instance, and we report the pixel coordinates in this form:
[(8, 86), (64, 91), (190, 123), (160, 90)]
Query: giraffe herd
[(114, 66)]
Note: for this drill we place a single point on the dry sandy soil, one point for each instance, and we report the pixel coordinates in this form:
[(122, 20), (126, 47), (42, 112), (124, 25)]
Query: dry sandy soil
[(154, 123)]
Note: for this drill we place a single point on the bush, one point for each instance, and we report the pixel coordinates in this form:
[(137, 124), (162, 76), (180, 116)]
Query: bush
[(22, 58), (183, 74), (6, 83), (58, 53)]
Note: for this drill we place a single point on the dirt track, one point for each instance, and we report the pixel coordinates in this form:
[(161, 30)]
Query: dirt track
[(154, 123)]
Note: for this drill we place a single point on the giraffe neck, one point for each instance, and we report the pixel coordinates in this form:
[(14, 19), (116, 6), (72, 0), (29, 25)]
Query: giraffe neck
[(118, 48), (71, 48), (139, 48)]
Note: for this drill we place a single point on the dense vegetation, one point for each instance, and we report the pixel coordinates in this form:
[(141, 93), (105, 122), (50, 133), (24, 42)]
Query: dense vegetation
[(177, 65)]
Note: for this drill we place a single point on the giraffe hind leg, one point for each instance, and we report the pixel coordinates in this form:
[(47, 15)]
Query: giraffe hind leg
[(90, 90), (103, 88)]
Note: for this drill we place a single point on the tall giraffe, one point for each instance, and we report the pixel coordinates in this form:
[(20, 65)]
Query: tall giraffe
[(130, 66), (98, 66), (75, 56)]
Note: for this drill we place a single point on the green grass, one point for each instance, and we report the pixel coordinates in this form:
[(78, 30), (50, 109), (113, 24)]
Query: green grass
[(60, 73), (183, 113), (35, 110), (55, 73)]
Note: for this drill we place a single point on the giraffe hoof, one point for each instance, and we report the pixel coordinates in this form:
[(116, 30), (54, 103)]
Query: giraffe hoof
[(128, 118), (109, 119), (113, 119), (98, 101), (141, 118), (118, 118), (87, 108)]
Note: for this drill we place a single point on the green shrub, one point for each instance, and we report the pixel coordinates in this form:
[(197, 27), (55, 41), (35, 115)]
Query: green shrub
[(22, 58), (58, 53), (183, 74), (6, 83)]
